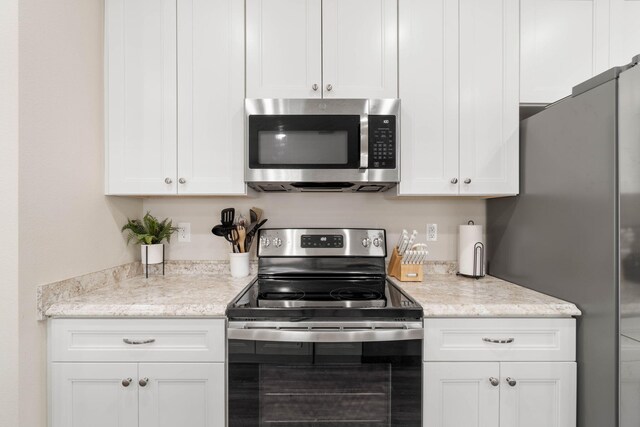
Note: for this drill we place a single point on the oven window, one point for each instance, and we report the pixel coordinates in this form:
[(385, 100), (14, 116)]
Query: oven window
[(304, 142), (311, 384)]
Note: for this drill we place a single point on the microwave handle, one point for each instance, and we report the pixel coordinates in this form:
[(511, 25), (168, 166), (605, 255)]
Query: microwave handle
[(364, 141)]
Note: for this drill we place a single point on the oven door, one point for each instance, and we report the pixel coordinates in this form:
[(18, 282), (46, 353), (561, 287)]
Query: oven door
[(327, 375)]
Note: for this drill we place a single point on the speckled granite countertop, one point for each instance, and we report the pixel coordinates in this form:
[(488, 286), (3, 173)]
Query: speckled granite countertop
[(206, 294), (448, 295)]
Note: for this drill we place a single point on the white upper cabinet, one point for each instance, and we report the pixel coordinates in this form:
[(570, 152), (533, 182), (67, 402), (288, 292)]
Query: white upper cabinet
[(624, 31), (210, 97), (489, 97), (360, 48), (557, 48), (174, 97), (284, 49), (140, 72), (429, 89), (565, 42), (315, 49), (459, 86)]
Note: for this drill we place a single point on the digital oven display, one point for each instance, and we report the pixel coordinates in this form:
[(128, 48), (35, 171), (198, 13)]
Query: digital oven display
[(320, 241)]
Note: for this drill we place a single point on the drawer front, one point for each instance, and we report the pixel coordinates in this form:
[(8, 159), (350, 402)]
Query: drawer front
[(500, 340), (137, 340)]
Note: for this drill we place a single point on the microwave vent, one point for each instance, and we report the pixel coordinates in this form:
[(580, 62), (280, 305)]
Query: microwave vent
[(370, 188), (272, 188)]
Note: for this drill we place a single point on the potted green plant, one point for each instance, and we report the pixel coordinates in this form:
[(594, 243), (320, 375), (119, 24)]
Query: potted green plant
[(150, 233)]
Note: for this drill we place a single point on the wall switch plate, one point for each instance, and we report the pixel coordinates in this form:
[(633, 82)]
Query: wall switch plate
[(432, 232), (184, 232)]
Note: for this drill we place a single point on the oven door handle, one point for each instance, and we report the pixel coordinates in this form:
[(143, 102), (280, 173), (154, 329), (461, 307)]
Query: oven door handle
[(325, 335)]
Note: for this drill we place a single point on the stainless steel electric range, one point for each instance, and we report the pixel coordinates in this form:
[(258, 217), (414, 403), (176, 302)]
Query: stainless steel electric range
[(321, 337)]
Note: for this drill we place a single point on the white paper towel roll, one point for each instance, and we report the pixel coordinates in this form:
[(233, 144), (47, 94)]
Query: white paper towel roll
[(471, 250)]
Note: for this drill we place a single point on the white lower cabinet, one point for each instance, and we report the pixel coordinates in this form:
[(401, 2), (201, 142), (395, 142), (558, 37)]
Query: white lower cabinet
[(492, 373), (90, 387)]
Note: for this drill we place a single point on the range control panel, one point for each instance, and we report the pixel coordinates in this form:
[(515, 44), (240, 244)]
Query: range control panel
[(301, 242), (382, 142)]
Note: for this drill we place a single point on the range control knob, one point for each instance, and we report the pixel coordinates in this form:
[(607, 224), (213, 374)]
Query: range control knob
[(264, 241), (277, 242), (377, 242), (366, 242)]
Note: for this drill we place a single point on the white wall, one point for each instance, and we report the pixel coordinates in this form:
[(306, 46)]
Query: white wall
[(320, 210), (67, 227), (9, 212)]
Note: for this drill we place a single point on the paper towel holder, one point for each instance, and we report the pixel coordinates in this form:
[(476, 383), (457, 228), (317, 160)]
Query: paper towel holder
[(478, 259)]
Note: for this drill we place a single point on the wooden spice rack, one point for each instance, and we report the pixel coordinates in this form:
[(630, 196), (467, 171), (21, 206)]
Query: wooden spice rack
[(404, 272)]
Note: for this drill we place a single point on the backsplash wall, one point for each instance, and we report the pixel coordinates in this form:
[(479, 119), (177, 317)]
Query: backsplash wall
[(319, 210)]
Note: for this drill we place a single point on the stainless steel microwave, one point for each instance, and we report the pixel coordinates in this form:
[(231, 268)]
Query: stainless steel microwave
[(304, 145)]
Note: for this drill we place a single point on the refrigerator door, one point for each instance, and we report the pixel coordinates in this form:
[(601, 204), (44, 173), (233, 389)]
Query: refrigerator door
[(629, 184), (559, 236)]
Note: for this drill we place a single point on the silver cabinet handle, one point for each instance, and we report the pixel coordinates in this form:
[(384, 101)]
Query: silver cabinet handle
[(511, 382), (495, 341), (329, 88), (314, 87), (454, 180), (138, 342), (467, 181), (168, 180), (143, 381), (182, 181), (494, 381), (126, 382)]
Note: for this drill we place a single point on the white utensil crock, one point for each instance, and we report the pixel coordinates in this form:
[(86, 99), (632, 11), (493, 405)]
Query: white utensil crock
[(239, 264), (155, 254)]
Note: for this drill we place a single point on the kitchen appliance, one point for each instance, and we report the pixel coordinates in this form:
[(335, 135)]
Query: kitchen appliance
[(471, 250), (574, 232), (321, 337), (311, 145)]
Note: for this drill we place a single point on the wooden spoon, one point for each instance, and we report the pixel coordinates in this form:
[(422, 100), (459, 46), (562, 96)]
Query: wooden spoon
[(242, 235)]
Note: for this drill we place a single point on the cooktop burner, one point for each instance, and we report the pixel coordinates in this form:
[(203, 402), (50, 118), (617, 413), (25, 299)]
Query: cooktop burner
[(355, 294)]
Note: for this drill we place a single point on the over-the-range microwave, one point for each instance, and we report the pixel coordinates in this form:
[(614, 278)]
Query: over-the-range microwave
[(302, 145)]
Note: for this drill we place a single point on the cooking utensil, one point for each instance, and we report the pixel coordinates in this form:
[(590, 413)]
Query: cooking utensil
[(252, 232), (227, 216), (241, 221), (255, 215), (242, 235), (234, 237), (412, 238)]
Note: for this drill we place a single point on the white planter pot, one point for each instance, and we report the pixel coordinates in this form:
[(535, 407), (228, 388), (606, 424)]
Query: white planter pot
[(155, 254)]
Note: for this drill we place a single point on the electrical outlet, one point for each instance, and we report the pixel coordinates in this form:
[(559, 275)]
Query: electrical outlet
[(432, 232), (184, 232)]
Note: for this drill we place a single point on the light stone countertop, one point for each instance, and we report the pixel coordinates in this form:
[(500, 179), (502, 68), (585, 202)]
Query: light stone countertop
[(190, 295), (448, 295)]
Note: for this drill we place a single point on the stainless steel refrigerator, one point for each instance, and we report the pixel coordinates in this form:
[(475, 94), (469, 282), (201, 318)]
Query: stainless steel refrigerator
[(574, 233)]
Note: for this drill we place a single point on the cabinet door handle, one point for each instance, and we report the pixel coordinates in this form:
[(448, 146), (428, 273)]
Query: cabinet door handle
[(511, 382), (182, 181), (314, 87), (143, 382), (494, 381), (495, 341), (138, 342), (126, 382), (467, 181), (454, 180), (329, 88), (168, 180)]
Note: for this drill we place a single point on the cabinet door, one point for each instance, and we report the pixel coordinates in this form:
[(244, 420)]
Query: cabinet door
[(542, 394), (182, 394), (93, 395), (284, 48), (624, 31), (557, 48), (489, 97), (360, 48), (428, 64), (460, 394), (210, 97), (140, 72)]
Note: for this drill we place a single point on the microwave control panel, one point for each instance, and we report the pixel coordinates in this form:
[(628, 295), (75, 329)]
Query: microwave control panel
[(382, 142)]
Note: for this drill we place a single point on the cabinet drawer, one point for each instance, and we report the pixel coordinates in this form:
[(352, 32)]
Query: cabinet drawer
[(137, 340), (499, 340)]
